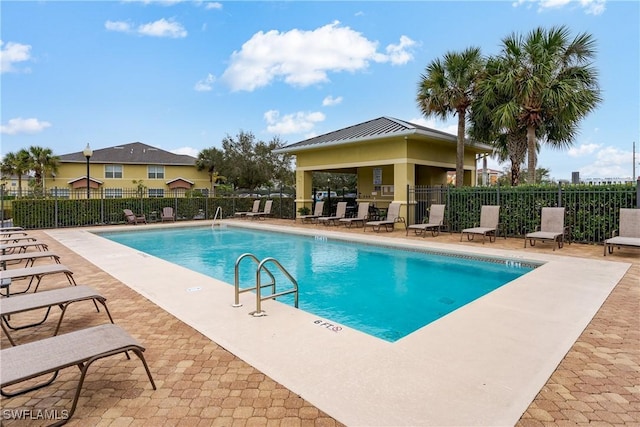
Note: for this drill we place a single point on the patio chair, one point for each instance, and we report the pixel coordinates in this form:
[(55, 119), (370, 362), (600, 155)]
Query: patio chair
[(49, 356), (133, 218), (29, 258), (341, 211), (435, 224), (167, 214), (551, 228), (629, 233), (20, 247), (7, 277), (393, 217), (317, 213), (262, 215), (489, 224), (363, 214), (255, 209), (62, 298)]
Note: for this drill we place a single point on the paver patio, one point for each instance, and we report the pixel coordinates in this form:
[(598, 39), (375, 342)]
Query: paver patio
[(202, 384)]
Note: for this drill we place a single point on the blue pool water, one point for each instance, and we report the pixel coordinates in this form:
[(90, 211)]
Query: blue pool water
[(382, 291)]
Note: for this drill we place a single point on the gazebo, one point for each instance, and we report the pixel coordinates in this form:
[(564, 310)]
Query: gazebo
[(387, 155)]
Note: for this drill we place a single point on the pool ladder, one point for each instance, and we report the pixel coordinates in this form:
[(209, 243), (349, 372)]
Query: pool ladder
[(218, 211), (258, 284)]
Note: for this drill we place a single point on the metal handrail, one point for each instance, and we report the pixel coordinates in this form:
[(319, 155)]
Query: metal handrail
[(215, 216), (238, 291), (259, 297)]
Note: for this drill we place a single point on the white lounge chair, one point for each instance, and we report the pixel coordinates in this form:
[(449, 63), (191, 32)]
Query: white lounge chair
[(19, 247), (551, 228), (393, 217), (317, 213), (29, 257), (629, 233), (362, 215), (489, 224), (341, 211), (435, 223)]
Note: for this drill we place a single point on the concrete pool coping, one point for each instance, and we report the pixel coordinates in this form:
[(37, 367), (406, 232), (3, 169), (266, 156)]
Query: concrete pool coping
[(505, 344)]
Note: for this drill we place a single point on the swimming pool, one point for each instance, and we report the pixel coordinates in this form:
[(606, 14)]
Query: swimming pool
[(382, 291)]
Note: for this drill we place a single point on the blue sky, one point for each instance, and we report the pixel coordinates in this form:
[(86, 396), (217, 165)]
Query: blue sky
[(182, 75)]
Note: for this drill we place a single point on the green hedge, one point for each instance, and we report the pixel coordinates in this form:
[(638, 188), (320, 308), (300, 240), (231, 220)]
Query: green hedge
[(53, 213)]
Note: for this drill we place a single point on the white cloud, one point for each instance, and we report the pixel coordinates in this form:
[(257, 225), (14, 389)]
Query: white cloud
[(213, 5), (20, 125), (118, 26), (291, 123), (205, 84), (163, 28), (610, 162), (303, 58), (591, 7), (159, 28), (12, 53), (330, 101), (583, 150)]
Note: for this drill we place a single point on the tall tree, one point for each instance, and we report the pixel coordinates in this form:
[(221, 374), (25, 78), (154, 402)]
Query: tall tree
[(549, 85), (42, 162), (16, 164), (211, 160), (448, 87)]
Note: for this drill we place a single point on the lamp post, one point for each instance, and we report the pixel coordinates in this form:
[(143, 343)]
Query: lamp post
[(87, 153)]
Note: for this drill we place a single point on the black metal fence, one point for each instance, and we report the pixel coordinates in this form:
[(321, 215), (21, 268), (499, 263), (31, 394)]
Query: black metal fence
[(54, 212), (592, 211)]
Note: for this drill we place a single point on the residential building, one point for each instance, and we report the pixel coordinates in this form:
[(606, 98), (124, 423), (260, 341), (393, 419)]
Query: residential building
[(113, 170)]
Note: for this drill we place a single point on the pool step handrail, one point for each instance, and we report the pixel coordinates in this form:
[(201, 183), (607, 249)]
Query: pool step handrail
[(218, 211), (273, 295), (236, 282)]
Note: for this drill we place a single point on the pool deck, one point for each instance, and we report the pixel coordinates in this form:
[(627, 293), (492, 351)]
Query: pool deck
[(520, 355)]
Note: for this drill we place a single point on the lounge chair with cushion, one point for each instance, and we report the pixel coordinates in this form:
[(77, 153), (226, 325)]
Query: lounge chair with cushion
[(34, 273), (435, 223), (551, 228), (255, 209), (62, 298), (133, 218), (167, 214), (489, 224), (393, 217), (317, 213), (262, 215), (49, 356), (629, 233), (341, 211), (363, 214)]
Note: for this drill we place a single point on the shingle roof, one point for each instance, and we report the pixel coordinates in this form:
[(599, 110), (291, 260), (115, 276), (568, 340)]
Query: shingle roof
[(373, 129), (133, 153)]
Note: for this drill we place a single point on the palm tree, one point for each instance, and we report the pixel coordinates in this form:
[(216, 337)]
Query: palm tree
[(16, 164), (211, 159), (42, 162), (448, 87), (548, 84)]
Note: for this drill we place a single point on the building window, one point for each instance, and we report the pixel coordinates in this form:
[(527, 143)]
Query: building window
[(155, 172), (156, 192), (113, 193), (113, 171)]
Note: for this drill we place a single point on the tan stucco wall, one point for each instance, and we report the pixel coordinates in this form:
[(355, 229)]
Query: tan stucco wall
[(70, 171)]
